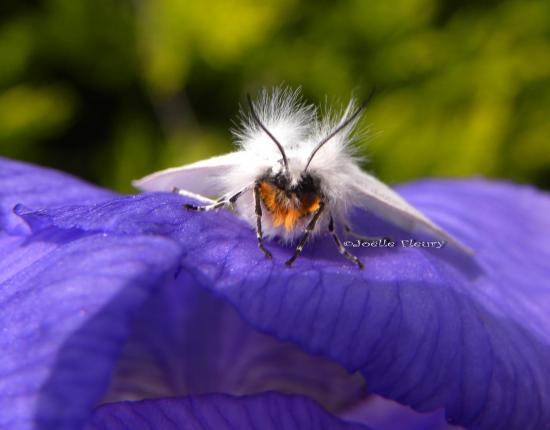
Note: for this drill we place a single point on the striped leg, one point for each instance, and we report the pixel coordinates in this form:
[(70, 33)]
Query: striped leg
[(341, 248), (307, 232), (258, 209), (349, 231), (223, 201)]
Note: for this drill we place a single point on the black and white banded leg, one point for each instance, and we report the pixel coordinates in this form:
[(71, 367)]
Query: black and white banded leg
[(258, 210), (341, 247), (309, 228), (221, 202), (349, 231)]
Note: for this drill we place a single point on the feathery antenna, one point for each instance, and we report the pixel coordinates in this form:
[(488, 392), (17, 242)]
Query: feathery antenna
[(342, 126), (264, 128)]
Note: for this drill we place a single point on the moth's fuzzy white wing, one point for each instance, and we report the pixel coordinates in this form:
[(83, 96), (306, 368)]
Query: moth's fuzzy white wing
[(202, 177), (380, 199)]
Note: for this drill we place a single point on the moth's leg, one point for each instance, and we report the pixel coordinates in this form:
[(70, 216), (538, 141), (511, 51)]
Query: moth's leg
[(341, 247), (221, 202), (309, 228), (258, 210), (349, 231)]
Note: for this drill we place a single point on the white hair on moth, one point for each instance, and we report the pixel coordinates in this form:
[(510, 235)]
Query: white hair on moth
[(286, 116), (299, 128), (338, 155), (284, 113)]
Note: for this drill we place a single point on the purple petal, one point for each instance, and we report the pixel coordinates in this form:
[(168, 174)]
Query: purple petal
[(424, 328), (427, 329), (38, 188), (67, 301), (267, 411)]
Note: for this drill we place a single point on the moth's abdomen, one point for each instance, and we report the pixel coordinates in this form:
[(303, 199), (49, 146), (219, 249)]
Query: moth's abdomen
[(287, 208)]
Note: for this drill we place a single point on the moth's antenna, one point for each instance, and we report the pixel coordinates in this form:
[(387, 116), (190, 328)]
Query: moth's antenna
[(342, 126), (264, 128)]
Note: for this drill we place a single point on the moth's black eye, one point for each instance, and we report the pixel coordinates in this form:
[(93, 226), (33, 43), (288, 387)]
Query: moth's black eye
[(308, 184), (280, 181)]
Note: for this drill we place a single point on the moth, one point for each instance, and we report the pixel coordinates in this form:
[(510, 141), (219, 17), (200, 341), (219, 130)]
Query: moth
[(293, 176)]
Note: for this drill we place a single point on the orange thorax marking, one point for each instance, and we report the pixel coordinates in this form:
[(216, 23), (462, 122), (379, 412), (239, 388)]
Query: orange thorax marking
[(287, 210)]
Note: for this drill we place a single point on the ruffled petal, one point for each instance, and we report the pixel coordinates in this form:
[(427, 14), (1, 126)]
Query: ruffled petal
[(37, 188), (267, 411)]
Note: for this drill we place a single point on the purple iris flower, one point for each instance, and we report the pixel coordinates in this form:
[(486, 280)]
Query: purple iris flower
[(107, 300)]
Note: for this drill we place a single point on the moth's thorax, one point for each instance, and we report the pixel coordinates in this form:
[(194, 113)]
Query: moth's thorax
[(288, 200)]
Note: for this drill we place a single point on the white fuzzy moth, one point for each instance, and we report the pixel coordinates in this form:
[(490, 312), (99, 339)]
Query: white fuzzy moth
[(294, 175)]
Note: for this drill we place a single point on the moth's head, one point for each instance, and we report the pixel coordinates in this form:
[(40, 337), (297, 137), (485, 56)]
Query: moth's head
[(288, 172), (297, 181)]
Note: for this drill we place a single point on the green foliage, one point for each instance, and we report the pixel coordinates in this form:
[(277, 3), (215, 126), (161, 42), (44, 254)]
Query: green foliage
[(112, 90)]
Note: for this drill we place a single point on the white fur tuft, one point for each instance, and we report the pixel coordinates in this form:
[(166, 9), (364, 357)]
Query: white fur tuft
[(298, 128)]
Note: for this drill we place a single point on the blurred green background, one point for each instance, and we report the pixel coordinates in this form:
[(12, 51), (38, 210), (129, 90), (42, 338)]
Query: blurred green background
[(111, 90)]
